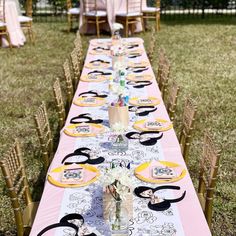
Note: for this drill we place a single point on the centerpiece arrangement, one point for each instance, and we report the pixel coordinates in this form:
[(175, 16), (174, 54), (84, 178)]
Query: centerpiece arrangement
[(118, 184)]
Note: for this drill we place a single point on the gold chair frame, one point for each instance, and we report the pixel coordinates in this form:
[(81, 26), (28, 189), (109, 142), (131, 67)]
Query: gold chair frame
[(163, 72), (76, 66), (93, 19), (28, 25), (44, 134), (185, 138), (13, 170), (59, 103), (69, 83), (3, 29), (70, 16), (131, 20), (154, 15), (207, 177), (171, 100)]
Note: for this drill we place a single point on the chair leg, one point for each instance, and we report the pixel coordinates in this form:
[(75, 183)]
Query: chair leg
[(158, 22), (9, 40), (69, 22), (142, 22), (126, 28), (97, 27)]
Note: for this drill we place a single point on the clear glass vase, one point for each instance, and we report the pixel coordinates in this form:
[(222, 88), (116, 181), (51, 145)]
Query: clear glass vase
[(119, 219)]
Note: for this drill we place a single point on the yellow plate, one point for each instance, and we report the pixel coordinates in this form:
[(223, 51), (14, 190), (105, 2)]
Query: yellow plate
[(158, 181), (140, 125), (99, 78), (144, 77), (132, 51), (64, 185), (154, 101), (137, 64), (98, 102), (97, 65), (96, 129)]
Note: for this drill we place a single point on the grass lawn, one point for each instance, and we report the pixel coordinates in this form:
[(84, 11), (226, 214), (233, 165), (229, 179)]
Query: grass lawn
[(203, 59)]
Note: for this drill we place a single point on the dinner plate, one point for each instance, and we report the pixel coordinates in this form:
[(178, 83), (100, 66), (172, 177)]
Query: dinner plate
[(90, 175), (153, 125), (144, 172), (97, 65)]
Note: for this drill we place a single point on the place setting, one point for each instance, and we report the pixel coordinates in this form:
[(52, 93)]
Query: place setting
[(97, 75)]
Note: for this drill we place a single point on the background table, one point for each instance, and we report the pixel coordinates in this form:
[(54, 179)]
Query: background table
[(184, 218)]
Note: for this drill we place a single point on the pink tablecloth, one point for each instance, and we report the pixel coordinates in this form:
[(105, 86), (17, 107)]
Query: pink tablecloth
[(13, 26), (182, 219), (112, 7)]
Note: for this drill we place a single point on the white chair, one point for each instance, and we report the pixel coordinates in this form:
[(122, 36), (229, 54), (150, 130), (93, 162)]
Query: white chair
[(72, 14), (153, 13), (131, 16), (92, 15)]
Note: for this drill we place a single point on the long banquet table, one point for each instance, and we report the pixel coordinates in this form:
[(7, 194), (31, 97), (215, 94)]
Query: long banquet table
[(182, 218)]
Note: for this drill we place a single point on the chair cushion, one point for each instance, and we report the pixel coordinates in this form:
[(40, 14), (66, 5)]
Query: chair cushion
[(74, 11), (24, 19), (150, 9), (2, 24), (129, 14), (94, 13)]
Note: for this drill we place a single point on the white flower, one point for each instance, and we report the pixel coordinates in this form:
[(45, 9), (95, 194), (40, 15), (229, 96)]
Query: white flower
[(117, 26)]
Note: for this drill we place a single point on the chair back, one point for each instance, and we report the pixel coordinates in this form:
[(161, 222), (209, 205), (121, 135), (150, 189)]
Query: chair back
[(133, 6), (29, 8), (13, 171), (171, 99), (208, 174), (2, 10), (189, 114), (69, 83), (90, 5), (152, 45), (163, 72), (44, 134), (59, 103), (76, 66)]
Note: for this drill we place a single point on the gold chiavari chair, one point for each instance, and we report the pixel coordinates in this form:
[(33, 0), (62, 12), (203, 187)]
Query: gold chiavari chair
[(185, 138), (69, 82), (153, 13), (92, 15), (76, 67), (3, 26), (44, 134), (13, 171), (163, 72), (208, 174), (59, 103), (26, 22), (152, 46), (72, 14), (131, 16), (171, 100)]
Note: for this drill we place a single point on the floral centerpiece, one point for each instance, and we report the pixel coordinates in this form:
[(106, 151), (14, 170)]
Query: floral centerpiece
[(118, 183)]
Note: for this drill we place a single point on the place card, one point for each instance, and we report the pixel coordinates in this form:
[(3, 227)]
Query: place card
[(144, 101), (83, 129), (72, 175), (159, 172), (153, 125), (89, 100)]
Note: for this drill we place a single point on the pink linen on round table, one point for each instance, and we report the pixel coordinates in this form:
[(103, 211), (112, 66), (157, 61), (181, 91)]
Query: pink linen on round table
[(111, 7), (13, 25)]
